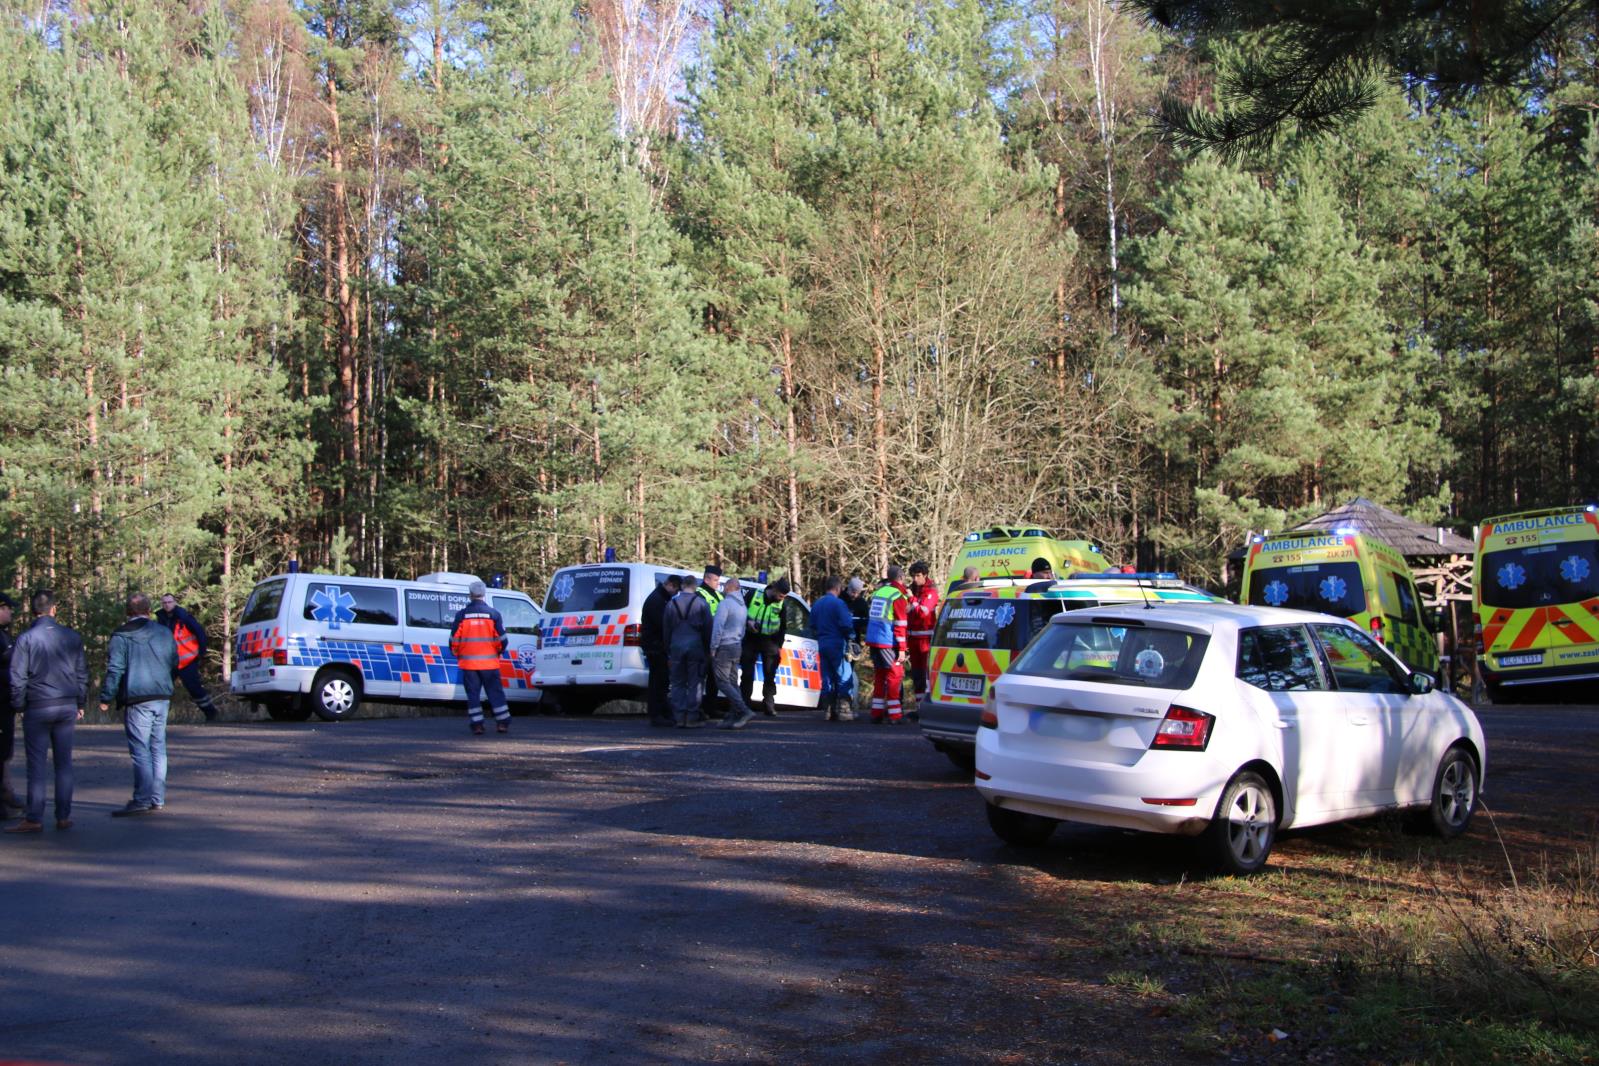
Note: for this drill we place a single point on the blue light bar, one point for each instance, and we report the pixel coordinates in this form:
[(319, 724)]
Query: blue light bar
[(1163, 575)]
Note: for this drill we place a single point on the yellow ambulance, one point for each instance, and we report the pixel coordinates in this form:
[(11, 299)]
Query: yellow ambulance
[(1009, 550), (1346, 573), (1535, 589)]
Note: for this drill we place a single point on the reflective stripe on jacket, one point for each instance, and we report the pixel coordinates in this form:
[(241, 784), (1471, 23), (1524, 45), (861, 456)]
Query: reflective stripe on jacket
[(766, 615), (478, 637)]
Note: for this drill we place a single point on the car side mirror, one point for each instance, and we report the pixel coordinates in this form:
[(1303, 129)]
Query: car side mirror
[(1422, 683)]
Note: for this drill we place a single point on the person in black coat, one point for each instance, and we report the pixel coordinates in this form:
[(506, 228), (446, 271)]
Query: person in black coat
[(653, 641)]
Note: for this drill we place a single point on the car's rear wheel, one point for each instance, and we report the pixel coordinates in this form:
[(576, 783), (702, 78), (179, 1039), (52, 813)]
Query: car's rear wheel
[(335, 695), (290, 710), (1020, 828), (1454, 794), (963, 757), (1245, 827)]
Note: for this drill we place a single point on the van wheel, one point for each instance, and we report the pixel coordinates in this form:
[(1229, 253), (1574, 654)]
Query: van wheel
[(335, 695), (288, 710), (1020, 828), (1245, 827)]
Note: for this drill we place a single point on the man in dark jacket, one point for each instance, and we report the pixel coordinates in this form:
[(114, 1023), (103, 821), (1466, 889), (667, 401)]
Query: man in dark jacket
[(686, 627), (139, 666), (192, 643), (49, 680), (653, 642), (763, 640), (8, 718)]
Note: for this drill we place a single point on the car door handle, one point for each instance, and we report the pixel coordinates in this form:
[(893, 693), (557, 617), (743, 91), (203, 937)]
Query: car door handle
[(1563, 621), (1282, 724), (1358, 719)]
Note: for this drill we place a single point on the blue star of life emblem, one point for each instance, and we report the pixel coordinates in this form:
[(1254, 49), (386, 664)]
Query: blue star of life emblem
[(527, 657), (563, 588), (332, 605), (1332, 588), (1004, 615), (1574, 568), (1512, 576), (1276, 594)]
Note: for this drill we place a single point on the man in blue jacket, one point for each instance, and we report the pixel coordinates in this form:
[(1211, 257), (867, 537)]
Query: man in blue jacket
[(49, 680), (834, 625), (139, 667)]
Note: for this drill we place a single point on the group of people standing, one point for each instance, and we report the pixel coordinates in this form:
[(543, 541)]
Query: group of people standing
[(702, 640), (44, 677)]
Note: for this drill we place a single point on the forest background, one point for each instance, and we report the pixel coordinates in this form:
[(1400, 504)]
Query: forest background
[(391, 287)]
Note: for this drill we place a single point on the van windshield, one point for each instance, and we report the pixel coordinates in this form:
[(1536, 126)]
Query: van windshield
[(264, 601), (589, 588), (1114, 654), (1332, 588), (1541, 574)]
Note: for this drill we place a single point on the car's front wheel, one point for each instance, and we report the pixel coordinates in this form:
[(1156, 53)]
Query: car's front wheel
[(1020, 828), (1245, 826), (1454, 794)]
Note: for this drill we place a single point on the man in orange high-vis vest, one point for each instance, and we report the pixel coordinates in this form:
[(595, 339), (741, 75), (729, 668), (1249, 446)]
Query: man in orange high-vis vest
[(192, 642), (477, 639)]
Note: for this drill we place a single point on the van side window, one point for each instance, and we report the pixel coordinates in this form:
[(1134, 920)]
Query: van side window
[(1407, 599), (335, 603), (796, 618), (1279, 659), (427, 609), (519, 615)]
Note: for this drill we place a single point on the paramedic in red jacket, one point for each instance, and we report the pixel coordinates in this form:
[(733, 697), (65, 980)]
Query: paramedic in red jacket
[(477, 640), (921, 616), (886, 614)]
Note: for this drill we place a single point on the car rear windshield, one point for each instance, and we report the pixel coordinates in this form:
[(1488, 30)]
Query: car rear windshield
[(993, 624), (1147, 656), (264, 601), (1332, 588), (590, 588), (1541, 574)]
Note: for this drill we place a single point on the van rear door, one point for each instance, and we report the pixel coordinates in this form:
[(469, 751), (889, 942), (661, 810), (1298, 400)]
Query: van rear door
[(586, 614)]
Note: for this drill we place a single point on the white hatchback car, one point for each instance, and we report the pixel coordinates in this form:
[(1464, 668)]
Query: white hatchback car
[(1231, 722)]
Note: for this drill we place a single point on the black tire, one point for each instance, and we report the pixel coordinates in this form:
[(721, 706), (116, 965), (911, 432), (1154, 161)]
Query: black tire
[(288, 710), (1455, 788), (1244, 828), (1019, 828), (335, 695), (964, 758)]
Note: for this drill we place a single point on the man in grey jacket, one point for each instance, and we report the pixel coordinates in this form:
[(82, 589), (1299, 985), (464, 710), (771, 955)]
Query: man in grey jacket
[(49, 680), (727, 643), (139, 666), (686, 628)]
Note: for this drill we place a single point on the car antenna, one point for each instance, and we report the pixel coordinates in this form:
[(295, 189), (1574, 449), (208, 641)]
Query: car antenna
[(1149, 604)]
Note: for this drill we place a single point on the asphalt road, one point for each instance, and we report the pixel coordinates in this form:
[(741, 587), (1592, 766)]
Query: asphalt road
[(584, 890)]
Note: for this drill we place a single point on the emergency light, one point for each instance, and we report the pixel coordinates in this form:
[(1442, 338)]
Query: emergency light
[(1163, 575), (610, 555)]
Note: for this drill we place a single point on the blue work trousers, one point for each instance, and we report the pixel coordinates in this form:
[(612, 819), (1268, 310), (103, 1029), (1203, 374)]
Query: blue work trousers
[(481, 683)]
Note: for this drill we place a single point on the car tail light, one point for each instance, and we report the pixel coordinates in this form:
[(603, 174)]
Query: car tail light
[(280, 657), (989, 717), (1376, 630), (1183, 730), (632, 635)]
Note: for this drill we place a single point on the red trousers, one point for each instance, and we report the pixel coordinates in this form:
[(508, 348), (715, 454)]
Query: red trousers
[(888, 675), (919, 655)]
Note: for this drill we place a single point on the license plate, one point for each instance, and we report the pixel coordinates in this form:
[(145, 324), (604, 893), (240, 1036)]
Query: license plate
[(579, 638), (964, 684), (1531, 659)]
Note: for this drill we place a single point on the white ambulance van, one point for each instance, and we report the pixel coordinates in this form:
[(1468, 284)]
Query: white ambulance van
[(590, 644), (322, 643)]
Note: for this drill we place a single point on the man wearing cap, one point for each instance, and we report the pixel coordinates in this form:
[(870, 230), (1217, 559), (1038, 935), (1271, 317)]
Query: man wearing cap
[(763, 641), (477, 639), (1042, 571), (8, 718), (921, 616)]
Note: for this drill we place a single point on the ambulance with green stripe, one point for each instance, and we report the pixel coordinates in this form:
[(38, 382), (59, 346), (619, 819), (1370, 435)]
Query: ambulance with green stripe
[(1008, 551), (1344, 572), (981, 627), (1535, 589)]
